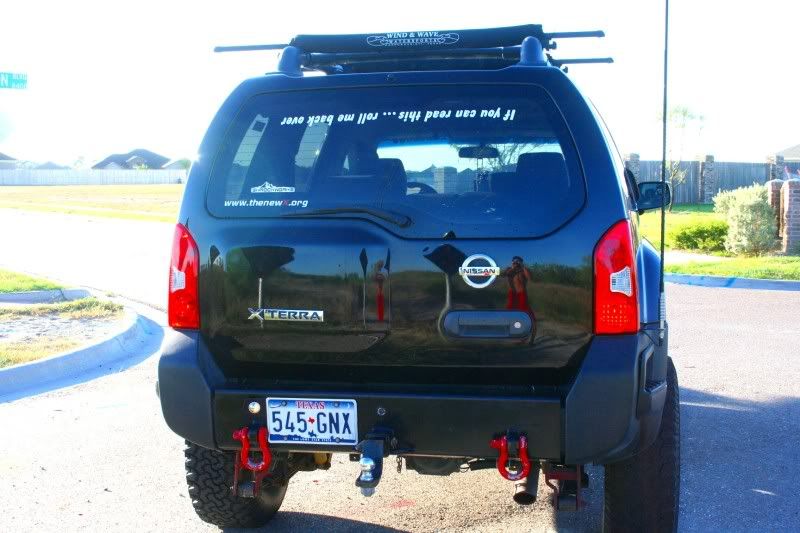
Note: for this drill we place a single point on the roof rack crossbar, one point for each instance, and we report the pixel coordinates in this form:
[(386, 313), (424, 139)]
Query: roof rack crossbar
[(580, 60), (249, 47), (575, 34), (488, 48)]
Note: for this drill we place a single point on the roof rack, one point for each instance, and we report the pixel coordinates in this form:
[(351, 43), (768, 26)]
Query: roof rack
[(491, 48)]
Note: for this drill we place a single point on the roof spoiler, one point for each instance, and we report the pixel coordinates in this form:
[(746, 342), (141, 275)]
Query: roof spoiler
[(421, 50)]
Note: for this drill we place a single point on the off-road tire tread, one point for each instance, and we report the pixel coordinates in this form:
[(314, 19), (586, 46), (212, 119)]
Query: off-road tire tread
[(209, 475), (642, 493)]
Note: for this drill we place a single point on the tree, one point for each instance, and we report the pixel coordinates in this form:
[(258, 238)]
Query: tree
[(686, 126)]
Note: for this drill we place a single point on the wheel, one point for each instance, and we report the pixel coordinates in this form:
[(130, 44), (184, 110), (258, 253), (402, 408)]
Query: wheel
[(209, 474), (641, 493)]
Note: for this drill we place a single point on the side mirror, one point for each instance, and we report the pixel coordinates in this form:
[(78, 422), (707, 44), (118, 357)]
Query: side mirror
[(652, 194)]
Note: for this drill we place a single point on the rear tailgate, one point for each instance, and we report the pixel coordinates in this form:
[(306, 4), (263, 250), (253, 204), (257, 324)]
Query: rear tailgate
[(366, 234)]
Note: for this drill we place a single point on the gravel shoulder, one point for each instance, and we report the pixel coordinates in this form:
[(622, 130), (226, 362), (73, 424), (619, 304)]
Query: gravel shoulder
[(31, 332)]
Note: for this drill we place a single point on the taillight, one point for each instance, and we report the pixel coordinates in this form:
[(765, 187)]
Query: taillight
[(616, 304), (183, 309)]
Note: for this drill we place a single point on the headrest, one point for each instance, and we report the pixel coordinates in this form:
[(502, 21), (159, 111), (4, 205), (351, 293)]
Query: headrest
[(395, 174), (391, 167), (503, 182)]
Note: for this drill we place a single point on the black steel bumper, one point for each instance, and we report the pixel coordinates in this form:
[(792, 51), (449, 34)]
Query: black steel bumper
[(610, 411)]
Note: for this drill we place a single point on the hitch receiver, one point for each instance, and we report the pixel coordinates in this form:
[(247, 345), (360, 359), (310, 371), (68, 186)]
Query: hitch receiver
[(375, 446)]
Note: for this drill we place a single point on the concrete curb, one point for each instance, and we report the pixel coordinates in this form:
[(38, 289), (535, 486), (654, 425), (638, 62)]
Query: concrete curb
[(44, 297), (125, 342), (733, 283)]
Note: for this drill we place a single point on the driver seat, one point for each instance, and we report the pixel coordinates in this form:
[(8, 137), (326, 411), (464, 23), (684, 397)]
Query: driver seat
[(393, 171)]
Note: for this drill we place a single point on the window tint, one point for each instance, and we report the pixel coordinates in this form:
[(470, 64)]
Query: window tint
[(481, 161)]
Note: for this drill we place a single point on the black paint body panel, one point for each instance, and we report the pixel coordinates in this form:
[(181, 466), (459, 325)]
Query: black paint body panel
[(575, 394)]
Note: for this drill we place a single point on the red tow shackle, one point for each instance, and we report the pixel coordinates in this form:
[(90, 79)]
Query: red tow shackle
[(243, 436), (501, 444)]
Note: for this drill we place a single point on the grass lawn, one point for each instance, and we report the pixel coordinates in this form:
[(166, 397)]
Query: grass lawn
[(15, 353), (157, 203), (769, 267), (682, 215), (14, 282), (75, 309)]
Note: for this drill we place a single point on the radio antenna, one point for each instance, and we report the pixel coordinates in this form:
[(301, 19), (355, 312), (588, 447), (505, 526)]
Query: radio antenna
[(662, 307)]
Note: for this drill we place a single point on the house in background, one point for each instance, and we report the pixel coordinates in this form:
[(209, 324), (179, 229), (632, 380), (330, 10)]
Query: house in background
[(178, 164), (6, 161), (791, 155), (51, 166), (138, 158)]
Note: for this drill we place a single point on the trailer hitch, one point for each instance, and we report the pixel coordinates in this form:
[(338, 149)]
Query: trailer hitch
[(501, 444), (373, 449), (243, 461)]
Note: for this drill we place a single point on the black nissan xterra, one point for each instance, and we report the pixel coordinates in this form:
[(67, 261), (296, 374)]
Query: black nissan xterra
[(429, 252)]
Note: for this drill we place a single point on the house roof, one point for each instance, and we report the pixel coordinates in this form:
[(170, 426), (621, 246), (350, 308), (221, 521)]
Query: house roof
[(4, 157), (791, 154), (151, 159), (51, 166)]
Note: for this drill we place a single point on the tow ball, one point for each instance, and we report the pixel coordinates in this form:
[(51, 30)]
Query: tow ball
[(373, 449), (501, 445), (243, 462)]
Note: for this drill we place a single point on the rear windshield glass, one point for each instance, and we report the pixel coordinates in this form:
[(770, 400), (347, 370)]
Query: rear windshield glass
[(477, 160)]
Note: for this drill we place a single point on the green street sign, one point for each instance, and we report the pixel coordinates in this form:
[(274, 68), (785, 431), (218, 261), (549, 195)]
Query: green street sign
[(13, 80)]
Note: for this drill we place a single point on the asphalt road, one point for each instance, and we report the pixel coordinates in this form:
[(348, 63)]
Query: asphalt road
[(97, 456)]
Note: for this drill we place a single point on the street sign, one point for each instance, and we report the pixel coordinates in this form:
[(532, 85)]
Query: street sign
[(13, 80)]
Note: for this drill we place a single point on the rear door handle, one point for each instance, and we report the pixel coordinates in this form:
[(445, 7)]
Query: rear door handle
[(487, 324)]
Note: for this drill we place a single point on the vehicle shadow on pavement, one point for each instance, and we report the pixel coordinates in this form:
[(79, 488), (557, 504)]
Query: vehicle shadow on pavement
[(293, 521), (147, 344), (738, 467), (739, 462)]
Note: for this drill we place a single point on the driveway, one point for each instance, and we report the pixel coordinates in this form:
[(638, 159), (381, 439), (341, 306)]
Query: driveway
[(98, 456)]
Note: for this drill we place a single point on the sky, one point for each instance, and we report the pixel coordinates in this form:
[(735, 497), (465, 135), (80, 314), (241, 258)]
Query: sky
[(107, 77)]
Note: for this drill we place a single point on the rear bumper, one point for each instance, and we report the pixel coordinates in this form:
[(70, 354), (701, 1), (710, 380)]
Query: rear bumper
[(610, 411)]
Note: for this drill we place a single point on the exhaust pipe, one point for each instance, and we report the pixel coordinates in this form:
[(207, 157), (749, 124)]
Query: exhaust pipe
[(525, 489), (522, 495)]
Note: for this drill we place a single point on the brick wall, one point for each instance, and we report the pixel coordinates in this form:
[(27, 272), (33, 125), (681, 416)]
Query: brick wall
[(790, 200), (774, 194), (708, 181)]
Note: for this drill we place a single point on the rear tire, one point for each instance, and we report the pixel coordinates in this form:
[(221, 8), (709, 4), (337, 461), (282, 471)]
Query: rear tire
[(642, 492), (209, 474)]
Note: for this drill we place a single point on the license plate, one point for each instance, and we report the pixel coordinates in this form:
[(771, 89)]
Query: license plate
[(312, 421)]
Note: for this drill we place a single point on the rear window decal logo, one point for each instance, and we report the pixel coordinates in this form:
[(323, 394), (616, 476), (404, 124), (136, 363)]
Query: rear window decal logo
[(252, 202), (413, 38), (479, 271), (267, 187), (288, 315)]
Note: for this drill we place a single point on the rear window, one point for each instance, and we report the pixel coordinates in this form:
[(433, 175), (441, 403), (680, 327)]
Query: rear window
[(477, 160)]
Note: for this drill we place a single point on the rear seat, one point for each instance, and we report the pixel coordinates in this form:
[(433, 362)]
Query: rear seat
[(539, 174)]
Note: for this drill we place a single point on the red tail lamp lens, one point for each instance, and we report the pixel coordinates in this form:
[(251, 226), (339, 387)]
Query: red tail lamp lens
[(183, 309), (616, 303)]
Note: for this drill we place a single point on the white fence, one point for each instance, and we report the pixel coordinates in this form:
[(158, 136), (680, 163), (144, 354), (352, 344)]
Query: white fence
[(90, 177)]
